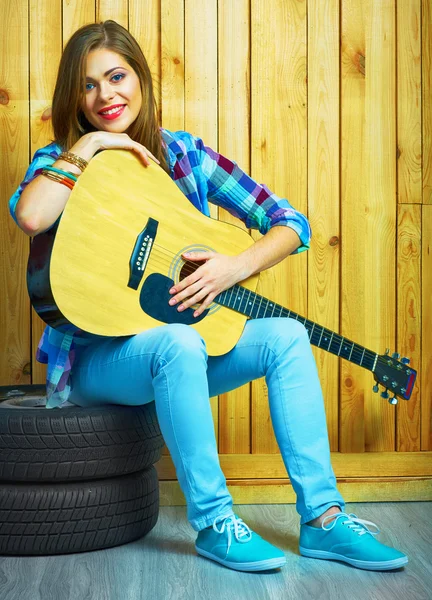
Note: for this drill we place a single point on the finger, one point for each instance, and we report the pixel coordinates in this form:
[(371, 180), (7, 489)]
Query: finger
[(142, 154), (186, 282), (185, 293), (204, 305), (198, 255), (153, 157), (193, 300)]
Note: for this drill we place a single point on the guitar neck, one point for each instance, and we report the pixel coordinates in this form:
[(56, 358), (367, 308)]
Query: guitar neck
[(255, 306)]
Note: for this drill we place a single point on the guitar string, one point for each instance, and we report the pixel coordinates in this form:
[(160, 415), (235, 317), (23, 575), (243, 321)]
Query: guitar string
[(356, 351)]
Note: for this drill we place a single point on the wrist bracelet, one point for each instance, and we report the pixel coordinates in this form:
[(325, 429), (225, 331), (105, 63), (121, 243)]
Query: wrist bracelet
[(59, 179), (67, 174), (74, 159)]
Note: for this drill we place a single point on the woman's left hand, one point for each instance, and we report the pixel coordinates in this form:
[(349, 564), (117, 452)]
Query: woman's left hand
[(217, 273)]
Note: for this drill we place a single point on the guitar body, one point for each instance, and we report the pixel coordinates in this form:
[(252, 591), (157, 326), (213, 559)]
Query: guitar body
[(108, 264)]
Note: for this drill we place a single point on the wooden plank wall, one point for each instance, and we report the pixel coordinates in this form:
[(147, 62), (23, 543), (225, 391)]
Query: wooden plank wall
[(328, 103)]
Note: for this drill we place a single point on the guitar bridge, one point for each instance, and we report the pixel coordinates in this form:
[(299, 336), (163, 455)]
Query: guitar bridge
[(141, 252)]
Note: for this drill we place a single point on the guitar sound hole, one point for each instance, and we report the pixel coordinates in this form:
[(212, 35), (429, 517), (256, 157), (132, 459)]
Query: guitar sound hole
[(188, 268)]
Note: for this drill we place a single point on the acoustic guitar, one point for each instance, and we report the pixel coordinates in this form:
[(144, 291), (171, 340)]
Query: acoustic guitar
[(107, 264)]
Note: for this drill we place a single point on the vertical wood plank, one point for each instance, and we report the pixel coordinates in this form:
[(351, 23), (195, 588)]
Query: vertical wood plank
[(115, 10), (279, 155), (380, 214), (45, 54), (201, 98), (75, 15), (409, 319), (409, 149), (14, 150), (145, 26), (426, 99), (426, 363), (234, 142), (172, 51), (368, 213), (201, 70), (323, 190)]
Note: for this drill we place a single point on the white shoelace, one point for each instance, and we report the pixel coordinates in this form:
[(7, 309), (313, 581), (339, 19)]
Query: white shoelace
[(242, 532), (359, 526)]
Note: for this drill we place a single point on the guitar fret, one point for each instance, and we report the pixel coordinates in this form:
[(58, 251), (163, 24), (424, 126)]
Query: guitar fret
[(340, 348), (361, 360), (311, 331), (351, 351)]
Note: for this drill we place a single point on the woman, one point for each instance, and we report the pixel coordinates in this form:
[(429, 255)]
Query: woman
[(104, 99)]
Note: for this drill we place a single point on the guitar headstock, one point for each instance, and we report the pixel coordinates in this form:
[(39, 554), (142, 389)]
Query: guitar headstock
[(395, 375)]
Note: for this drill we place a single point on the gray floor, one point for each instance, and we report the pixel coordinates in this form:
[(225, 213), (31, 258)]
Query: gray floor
[(164, 566)]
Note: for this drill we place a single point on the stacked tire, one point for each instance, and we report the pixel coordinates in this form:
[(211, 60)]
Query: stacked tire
[(75, 479)]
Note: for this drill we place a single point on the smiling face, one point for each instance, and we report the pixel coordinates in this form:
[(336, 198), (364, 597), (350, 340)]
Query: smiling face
[(111, 82)]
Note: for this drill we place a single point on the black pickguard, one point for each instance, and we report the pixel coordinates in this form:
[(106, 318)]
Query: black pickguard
[(154, 298)]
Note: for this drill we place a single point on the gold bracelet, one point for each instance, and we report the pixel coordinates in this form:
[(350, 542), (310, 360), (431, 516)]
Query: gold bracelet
[(74, 159)]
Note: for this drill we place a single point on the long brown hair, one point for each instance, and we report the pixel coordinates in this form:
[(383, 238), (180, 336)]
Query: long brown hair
[(69, 122)]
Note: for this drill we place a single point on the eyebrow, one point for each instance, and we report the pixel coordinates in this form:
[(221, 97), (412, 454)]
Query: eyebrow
[(107, 72)]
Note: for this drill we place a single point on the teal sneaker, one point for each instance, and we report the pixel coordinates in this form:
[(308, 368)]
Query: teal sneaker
[(349, 539), (236, 546)]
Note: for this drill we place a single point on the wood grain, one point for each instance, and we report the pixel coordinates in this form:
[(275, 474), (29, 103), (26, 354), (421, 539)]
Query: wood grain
[(409, 102), (426, 361), (234, 143), (369, 196), (426, 95), (279, 155), (323, 191), (15, 365), (409, 319), (173, 65)]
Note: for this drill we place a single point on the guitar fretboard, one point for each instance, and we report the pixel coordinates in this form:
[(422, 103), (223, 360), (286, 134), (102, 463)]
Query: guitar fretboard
[(255, 306)]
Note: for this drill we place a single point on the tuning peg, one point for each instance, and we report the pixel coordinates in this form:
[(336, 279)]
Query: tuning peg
[(405, 360), (375, 389), (384, 394), (393, 400), (387, 350), (396, 355)]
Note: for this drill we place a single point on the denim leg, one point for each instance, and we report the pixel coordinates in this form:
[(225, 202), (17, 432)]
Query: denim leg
[(167, 364), (279, 349)]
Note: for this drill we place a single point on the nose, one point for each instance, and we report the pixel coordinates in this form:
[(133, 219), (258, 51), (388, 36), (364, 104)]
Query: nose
[(106, 91)]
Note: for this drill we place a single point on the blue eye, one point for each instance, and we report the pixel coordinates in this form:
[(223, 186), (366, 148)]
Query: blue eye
[(121, 75)]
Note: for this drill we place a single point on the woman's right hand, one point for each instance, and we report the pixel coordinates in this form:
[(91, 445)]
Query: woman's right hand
[(104, 140)]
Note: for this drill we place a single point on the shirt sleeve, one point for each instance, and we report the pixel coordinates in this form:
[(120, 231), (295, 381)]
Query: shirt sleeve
[(251, 202), (42, 158)]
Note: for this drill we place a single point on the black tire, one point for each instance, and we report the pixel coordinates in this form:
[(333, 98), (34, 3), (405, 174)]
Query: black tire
[(61, 518), (73, 443)]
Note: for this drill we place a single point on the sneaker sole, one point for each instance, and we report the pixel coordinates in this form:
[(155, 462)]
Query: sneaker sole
[(262, 565), (360, 564)]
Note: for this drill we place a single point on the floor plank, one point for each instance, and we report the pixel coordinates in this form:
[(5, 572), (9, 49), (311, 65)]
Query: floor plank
[(164, 565)]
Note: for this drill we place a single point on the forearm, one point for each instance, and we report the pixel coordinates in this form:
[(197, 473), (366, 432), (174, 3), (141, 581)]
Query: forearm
[(278, 243), (43, 200)]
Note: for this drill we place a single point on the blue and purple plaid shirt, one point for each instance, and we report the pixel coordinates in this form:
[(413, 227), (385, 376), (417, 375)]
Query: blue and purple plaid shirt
[(202, 175)]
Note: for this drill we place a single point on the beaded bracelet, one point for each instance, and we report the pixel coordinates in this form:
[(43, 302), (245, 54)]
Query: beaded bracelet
[(74, 159), (67, 174), (59, 179)]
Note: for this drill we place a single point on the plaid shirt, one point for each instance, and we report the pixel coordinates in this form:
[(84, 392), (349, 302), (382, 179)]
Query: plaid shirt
[(202, 175)]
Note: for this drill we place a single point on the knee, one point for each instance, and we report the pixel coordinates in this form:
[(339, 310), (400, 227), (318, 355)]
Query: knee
[(286, 332), (183, 339)]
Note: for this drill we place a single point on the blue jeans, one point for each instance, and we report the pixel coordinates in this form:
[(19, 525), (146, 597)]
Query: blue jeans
[(169, 365)]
